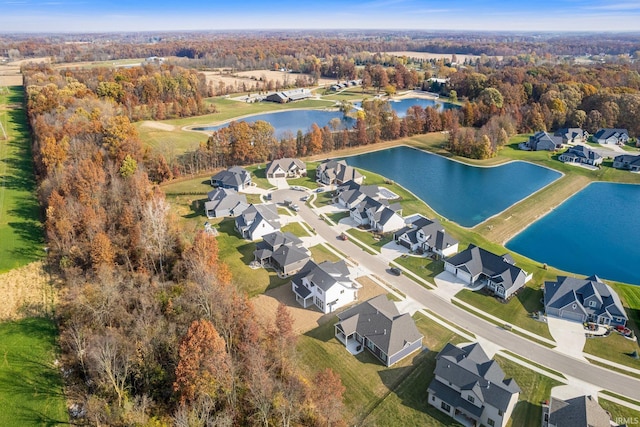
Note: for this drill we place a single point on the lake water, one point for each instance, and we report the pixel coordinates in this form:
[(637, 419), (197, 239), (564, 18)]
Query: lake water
[(294, 120), (465, 194), (401, 106), (594, 232)]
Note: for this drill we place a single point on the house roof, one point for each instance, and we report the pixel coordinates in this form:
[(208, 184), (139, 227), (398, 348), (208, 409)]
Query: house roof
[(570, 290), (277, 238), (581, 411), (254, 214), (338, 170), (580, 151), (469, 368), (435, 234), (379, 320), (627, 158), (453, 398), (326, 274), (286, 164), (283, 248), (224, 198), (500, 269), (235, 176), (544, 139), (570, 133), (606, 133)]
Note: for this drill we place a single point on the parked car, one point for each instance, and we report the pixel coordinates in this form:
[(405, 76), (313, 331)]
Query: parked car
[(319, 190), (295, 207), (304, 198), (395, 271), (344, 236)]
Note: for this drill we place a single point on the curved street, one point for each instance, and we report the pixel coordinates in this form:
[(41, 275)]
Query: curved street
[(573, 367)]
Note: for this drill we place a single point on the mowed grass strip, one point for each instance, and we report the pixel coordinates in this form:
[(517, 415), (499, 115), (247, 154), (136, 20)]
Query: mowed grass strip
[(620, 414), (21, 231), (31, 392)]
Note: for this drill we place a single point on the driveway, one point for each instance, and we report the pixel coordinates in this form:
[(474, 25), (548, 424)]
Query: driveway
[(448, 285), (570, 336)]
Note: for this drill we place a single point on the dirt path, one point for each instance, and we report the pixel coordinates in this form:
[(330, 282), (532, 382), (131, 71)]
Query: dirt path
[(26, 292), (519, 216)]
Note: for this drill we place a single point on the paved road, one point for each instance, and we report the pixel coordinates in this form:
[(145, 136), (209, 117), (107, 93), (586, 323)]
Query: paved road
[(584, 371)]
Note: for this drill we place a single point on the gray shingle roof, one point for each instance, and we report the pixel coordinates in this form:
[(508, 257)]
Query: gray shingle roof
[(337, 170), (233, 177), (606, 133), (379, 320), (224, 198), (581, 411), (569, 290), (469, 368), (326, 274), (500, 269), (286, 164), (581, 152), (254, 213), (436, 236)]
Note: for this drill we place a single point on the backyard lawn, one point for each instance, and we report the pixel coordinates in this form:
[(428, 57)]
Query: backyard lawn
[(21, 232), (31, 393), (296, 229), (237, 253), (424, 267)]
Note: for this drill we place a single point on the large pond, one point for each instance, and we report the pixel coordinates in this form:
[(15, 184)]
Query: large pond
[(594, 232), (465, 194), (291, 121)]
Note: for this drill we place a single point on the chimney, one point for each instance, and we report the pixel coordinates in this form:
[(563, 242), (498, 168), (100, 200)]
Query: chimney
[(385, 332)]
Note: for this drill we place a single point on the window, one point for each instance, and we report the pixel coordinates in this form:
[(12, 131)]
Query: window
[(342, 291), (491, 422), (446, 407), (592, 303), (433, 398), (471, 399), (500, 412)]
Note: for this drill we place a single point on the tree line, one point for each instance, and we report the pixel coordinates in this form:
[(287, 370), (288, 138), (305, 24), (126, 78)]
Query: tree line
[(152, 329)]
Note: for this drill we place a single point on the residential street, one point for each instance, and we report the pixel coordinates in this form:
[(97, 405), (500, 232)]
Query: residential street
[(606, 379)]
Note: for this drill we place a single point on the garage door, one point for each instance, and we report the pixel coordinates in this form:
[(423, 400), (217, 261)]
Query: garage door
[(450, 268), (569, 315), (405, 243)]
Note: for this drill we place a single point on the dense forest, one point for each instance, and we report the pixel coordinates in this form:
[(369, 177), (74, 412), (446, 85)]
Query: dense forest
[(152, 327)]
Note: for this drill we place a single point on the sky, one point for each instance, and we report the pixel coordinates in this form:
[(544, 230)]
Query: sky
[(174, 15)]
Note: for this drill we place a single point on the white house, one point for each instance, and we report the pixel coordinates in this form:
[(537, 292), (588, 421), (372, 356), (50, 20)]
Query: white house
[(325, 285), (258, 220), (379, 215), (470, 387), (286, 168)]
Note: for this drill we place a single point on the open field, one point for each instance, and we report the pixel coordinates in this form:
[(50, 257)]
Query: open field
[(21, 234), (254, 80), (26, 291), (31, 393)]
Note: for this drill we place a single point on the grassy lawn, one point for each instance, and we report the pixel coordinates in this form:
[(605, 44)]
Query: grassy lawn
[(426, 268), (615, 348), (367, 238), (337, 216), (259, 176), (21, 232), (535, 388), (619, 412), (320, 253), (31, 392), (296, 229), (371, 387), (515, 312), (238, 253)]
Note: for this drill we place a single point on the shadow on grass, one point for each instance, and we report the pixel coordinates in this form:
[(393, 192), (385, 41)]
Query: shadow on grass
[(530, 299)]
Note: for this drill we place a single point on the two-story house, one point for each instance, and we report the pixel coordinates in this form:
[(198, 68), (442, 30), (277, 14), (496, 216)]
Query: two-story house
[(426, 235), (583, 300), (379, 215), (470, 387), (337, 172), (258, 220), (326, 285)]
